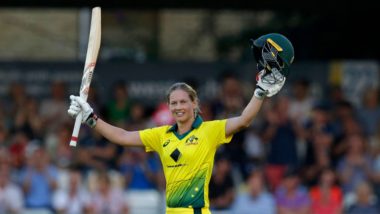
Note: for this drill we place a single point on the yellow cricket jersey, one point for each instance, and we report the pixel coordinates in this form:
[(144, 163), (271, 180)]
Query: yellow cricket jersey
[(187, 161)]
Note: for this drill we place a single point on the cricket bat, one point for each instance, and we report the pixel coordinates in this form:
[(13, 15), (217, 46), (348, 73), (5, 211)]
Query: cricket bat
[(89, 66)]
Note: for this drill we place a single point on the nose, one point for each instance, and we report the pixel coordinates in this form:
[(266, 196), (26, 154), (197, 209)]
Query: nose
[(177, 106)]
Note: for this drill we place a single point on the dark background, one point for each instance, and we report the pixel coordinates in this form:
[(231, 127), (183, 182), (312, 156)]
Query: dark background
[(321, 30)]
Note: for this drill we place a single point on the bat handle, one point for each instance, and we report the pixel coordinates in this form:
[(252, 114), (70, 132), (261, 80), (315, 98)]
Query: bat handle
[(74, 136)]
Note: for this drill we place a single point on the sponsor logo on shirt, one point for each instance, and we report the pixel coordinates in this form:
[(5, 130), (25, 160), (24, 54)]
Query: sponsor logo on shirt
[(166, 143), (192, 140)]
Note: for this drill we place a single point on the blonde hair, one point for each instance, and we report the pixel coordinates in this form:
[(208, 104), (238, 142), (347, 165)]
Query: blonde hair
[(189, 90)]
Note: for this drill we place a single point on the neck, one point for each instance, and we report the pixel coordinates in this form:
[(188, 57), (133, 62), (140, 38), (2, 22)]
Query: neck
[(255, 193), (185, 126)]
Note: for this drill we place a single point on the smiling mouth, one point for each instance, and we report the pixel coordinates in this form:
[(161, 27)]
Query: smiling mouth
[(179, 114)]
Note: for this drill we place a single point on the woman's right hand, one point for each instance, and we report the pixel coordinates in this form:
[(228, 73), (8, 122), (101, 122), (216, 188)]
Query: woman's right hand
[(79, 105)]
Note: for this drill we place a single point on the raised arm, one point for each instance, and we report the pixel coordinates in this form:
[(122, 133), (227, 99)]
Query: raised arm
[(265, 87), (110, 132), (274, 54)]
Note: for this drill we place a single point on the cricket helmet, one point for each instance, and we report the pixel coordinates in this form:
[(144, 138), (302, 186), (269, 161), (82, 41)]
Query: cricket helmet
[(273, 51)]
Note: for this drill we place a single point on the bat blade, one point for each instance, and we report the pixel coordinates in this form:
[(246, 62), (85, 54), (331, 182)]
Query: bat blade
[(89, 66)]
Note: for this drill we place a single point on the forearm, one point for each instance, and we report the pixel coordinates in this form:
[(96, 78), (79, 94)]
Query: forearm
[(112, 133), (250, 111), (117, 135), (245, 119)]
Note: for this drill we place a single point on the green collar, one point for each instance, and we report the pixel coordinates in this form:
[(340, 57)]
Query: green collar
[(197, 122)]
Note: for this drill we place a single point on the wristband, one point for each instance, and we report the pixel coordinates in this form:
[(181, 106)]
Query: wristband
[(259, 93), (91, 120)]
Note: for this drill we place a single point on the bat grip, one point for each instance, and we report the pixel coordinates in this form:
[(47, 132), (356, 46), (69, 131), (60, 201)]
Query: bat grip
[(74, 136)]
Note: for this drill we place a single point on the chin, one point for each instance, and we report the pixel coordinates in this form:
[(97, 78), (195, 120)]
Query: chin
[(182, 119)]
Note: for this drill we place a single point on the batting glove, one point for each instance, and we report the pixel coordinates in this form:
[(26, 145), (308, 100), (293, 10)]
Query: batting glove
[(78, 105), (268, 83)]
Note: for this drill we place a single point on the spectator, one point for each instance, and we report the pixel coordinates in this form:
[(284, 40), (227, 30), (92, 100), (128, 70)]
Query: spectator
[(231, 98), (280, 134), (350, 127), (369, 112), (60, 150), (106, 198), (230, 103), (375, 151), (38, 179), (74, 199), (17, 149), (335, 95), (291, 197), (343, 115), (365, 201), (318, 125), (302, 102), (28, 120), (342, 111), (11, 197), (321, 159), (326, 197), (53, 109), (96, 153), (221, 185), (356, 166), (138, 118), (118, 110), (254, 146), (141, 169), (319, 135), (206, 111), (3, 136), (16, 100), (256, 199), (162, 115)]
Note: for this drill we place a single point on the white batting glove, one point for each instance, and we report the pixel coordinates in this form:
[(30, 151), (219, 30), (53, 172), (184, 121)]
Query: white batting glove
[(268, 84), (78, 105)]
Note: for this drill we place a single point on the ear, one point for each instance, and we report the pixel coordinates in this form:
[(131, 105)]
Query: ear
[(195, 104)]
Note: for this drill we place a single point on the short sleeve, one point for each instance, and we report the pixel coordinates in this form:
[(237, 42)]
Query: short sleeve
[(14, 198), (223, 137), (60, 200), (218, 127), (151, 138)]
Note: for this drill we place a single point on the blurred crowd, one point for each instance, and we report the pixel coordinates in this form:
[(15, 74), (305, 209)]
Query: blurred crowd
[(302, 154)]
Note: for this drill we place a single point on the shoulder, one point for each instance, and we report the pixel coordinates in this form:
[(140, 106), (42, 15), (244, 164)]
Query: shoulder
[(13, 191), (242, 198), (214, 123), (158, 129)]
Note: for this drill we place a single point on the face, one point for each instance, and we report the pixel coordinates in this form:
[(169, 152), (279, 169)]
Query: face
[(328, 178), (291, 183), (103, 184), (181, 106), (364, 193), (75, 179), (256, 184)]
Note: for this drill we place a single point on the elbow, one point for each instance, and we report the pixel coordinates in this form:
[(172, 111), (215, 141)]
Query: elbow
[(245, 120), (245, 124)]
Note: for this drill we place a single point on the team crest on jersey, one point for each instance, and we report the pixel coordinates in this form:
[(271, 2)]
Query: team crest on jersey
[(166, 143), (192, 140)]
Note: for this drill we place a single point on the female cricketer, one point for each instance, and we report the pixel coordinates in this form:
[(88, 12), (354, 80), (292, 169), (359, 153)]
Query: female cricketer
[(187, 148)]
